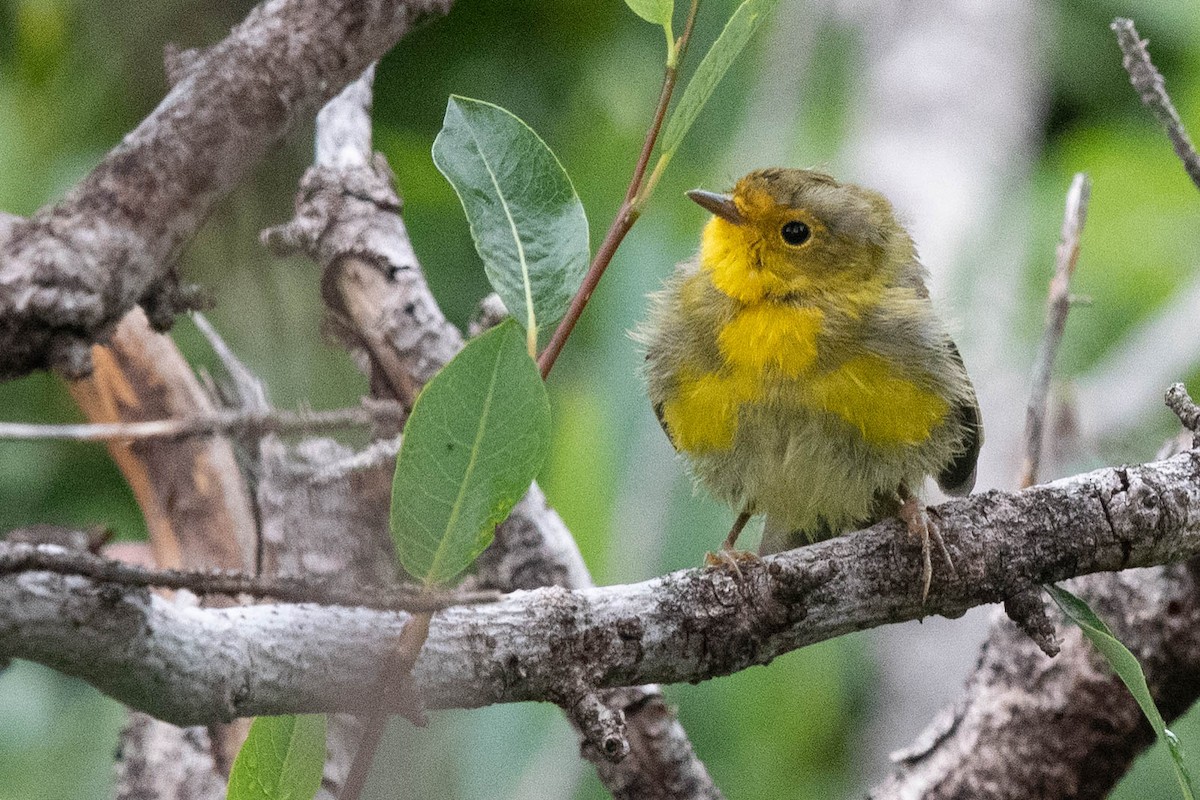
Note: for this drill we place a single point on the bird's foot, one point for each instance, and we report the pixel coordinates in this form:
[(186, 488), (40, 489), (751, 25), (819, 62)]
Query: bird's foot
[(732, 558), (922, 526), (729, 555)]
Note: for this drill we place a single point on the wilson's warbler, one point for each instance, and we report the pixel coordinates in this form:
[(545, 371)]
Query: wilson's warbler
[(799, 366)]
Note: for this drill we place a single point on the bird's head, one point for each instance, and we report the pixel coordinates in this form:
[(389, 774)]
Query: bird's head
[(793, 233)]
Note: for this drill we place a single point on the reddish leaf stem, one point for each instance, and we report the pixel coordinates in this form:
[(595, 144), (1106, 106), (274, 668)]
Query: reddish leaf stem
[(626, 216)]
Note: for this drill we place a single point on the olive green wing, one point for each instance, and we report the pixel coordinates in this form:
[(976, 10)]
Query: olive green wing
[(958, 477), (658, 412)]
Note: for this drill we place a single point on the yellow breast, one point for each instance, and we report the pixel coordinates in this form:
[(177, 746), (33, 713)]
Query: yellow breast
[(886, 408), (771, 335), (769, 349)]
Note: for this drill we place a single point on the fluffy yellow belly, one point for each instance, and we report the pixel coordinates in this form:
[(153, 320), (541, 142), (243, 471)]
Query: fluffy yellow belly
[(886, 409)]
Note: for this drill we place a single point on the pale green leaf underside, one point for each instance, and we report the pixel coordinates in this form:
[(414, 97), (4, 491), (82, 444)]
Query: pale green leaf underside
[(657, 11), (741, 26), (525, 217), (477, 435), (282, 759), (1126, 665)]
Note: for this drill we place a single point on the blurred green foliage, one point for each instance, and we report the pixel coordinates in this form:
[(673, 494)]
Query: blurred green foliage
[(76, 76)]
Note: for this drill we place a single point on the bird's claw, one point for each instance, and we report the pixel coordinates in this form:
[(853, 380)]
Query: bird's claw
[(922, 526)]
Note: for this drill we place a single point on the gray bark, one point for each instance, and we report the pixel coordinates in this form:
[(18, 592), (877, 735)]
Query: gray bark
[(1032, 727), (193, 666), (71, 271)]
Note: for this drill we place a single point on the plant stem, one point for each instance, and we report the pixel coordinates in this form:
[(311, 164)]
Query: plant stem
[(395, 694), (627, 214)]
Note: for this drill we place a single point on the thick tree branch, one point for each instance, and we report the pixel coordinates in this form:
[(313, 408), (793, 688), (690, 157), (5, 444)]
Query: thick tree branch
[(193, 497), (70, 272), (191, 492), (192, 665), (1028, 726), (1072, 711)]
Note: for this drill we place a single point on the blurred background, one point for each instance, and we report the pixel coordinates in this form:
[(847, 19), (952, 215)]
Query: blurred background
[(971, 116)]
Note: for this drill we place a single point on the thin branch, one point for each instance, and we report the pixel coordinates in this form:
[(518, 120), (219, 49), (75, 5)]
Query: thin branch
[(627, 214), (214, 664), (72, 271), (245, 391), (1184, 407), (393, 686), (1151, 88), (1058, 306), (231, 421), (19, 557)]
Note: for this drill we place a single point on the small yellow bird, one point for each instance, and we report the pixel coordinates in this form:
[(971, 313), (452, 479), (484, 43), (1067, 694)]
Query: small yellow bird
[(799, 366)]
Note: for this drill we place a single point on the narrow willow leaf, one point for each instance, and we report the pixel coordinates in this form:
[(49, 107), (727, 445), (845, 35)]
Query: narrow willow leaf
[(477, 435), (525, 217), (657, 11), (282, 759), (741, 26), (1126, 665)]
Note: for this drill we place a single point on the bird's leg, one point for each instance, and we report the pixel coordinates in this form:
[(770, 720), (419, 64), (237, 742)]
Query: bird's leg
[(729, 554), (921, 526), (730, 543)]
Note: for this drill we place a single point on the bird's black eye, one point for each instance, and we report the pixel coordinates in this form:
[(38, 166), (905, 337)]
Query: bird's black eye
[(795, 232)]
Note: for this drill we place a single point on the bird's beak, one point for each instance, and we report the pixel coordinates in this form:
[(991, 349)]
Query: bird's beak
[(720, 204)]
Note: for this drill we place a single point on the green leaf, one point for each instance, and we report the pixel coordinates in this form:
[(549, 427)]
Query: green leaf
[(525, 217), (282, 759), (741, 26), (477, 435), (657, 11), (1126, 665)]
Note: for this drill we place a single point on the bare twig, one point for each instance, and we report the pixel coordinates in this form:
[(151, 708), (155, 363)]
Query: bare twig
[(627, 214), (1057, 307), (246, 390), (19, 557), (1151, 88), (237, 422), (1179, 401), (394, 689)]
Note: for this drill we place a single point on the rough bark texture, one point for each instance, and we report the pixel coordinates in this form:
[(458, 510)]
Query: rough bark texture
[(203, 665), (158, 761), (329, 523), (1031, 727), (533, 548), (69, 273)]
